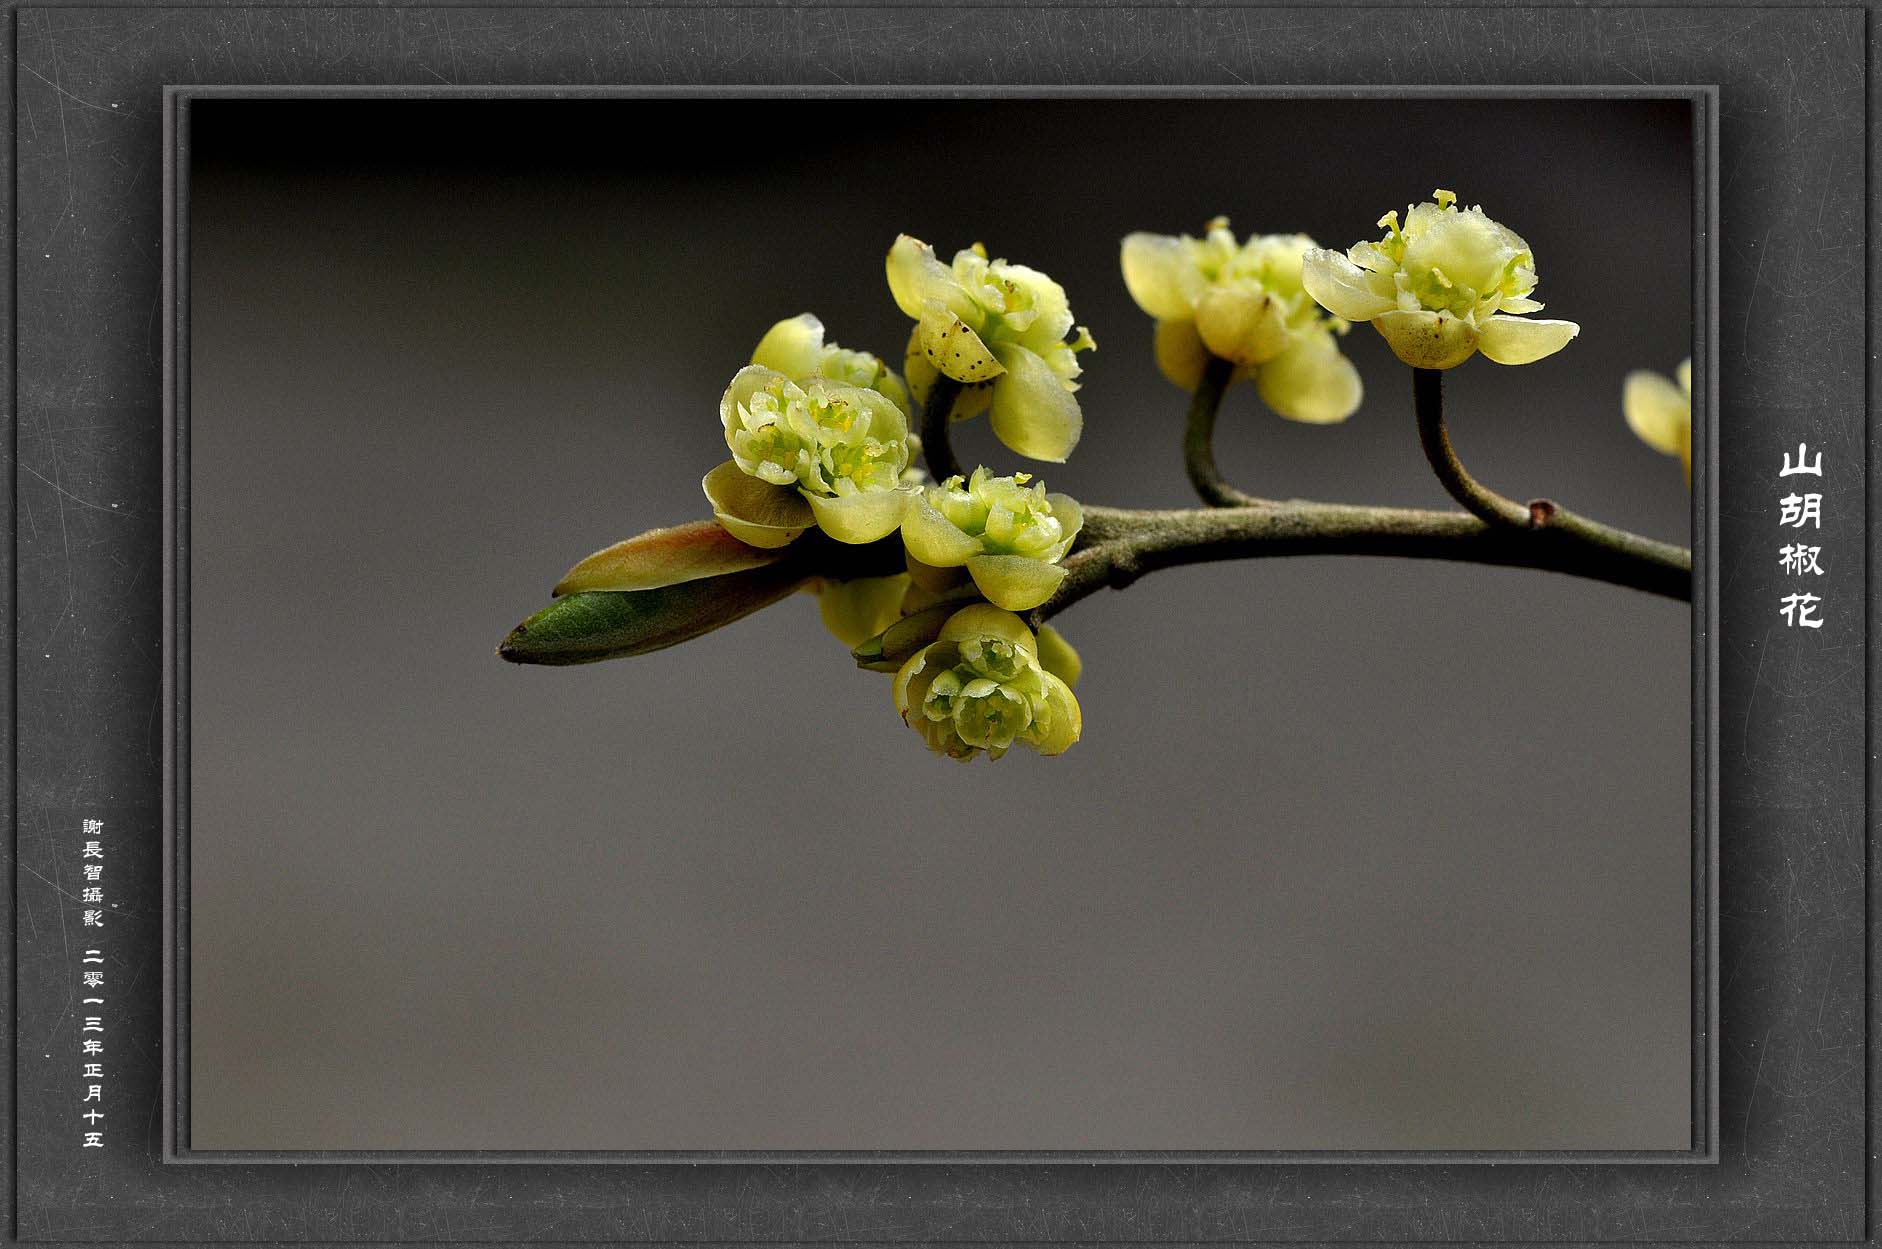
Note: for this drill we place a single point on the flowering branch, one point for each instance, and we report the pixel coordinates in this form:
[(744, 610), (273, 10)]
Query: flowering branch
[(1119, 545), (948, 583)]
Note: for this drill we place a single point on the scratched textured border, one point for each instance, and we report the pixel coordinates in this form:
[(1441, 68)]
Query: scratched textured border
[(83, 179)]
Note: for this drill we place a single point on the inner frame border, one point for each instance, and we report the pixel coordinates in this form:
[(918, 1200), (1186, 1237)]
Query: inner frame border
[(1704, 997)]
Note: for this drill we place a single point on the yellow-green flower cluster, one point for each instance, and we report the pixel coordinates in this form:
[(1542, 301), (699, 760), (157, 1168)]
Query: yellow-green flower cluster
[(1242, 302), (981, 686), (819, 438), (1659, 409), (1007, 533), (1443, 286), (818, 435), (1003, 330)]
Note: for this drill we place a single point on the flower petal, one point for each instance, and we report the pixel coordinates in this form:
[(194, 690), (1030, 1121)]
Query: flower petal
[(1658, 411), (1062, 722), (1181, 355), (1033, 411), (1311, 381), (1058, 657), (916, 276), (978, 620), (1071, 518), (794, 347), (1159, 276), (1342, 287), (1240, 324), (660, 557), (908, 690), (933, 539), (1428, 340), (952, 347), (855, 611), (866, 516), (1015, 582), (753, 511), (1523, 340)]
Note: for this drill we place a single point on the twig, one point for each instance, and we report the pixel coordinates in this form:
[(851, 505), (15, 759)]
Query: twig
[(936, 414), (1199, 439)]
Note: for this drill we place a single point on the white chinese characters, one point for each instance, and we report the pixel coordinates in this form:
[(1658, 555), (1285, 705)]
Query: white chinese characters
[(1801, 510), (91, 978)]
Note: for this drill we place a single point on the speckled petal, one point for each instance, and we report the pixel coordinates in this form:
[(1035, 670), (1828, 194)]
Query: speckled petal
[(1428, 340), (952, 347)]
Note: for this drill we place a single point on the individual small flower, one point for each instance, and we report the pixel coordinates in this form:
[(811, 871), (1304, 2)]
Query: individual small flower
[(1007, 532), (1440, 288), (980, 686), (796, 348), (1005, 332), (1242, 302), (817, 452), (1659, 410), (859, 609)]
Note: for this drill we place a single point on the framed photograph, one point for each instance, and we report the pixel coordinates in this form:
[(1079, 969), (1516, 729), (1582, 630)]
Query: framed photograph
[(1024, 625)]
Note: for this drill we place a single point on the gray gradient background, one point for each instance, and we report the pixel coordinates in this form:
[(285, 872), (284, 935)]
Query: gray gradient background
[(1355, 853)]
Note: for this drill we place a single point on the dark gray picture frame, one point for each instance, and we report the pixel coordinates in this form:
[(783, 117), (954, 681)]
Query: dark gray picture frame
[(1780, 942)]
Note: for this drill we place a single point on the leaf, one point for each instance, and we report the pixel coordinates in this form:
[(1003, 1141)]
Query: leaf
[(662, 557), (589, 626)]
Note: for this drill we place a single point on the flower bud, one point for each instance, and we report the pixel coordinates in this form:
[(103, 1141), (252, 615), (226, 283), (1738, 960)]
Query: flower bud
[(980, 687), (1244, 303)]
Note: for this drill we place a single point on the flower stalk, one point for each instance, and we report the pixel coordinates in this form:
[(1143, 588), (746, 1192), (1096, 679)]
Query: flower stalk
[(1477, 499), (937, 414), (1199, 438)]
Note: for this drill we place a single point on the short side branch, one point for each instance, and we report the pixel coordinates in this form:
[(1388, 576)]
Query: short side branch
[(1199, 439), (1479, 500)]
